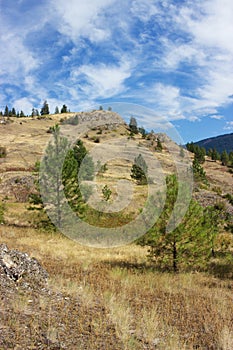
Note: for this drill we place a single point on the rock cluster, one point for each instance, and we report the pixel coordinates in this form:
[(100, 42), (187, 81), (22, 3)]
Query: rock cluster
[(18, 269)]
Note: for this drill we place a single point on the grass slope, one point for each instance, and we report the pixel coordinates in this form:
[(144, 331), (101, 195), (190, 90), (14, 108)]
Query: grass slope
[(104, 298)]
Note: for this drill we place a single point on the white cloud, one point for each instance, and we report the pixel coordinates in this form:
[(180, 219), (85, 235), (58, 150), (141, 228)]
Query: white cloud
[(103, 81), (209, 51), (229, 126), (82, 18), (143, 9), (216, 116), (25, 104), (215, 27), (15, 57)]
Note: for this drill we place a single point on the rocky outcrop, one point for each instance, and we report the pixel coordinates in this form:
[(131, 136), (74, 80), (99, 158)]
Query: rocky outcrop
[(18, 268)]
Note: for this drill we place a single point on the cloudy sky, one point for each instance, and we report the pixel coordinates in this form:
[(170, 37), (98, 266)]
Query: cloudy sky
[(174, 57)]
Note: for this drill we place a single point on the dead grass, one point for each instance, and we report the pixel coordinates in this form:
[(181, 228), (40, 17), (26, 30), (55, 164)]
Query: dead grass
[(105, 298), (147, 309)]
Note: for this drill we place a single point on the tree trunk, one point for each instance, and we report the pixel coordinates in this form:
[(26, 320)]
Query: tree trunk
[(174, 252)]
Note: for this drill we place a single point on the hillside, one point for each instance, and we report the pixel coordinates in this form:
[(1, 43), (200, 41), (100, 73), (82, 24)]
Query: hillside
[(59, 294), (220, 143), (25, 140)]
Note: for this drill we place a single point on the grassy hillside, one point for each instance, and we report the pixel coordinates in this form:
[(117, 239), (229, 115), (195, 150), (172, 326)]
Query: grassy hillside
[(107, 298)]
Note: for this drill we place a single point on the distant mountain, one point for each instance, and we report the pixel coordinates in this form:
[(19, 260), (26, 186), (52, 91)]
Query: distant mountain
[(220, 143)]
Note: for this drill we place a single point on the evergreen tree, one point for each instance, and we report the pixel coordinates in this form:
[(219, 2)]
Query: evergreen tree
[(60, 182), (215, 155), (51, 176), (224, 158), (13, 112), (209, 152), (212, 220), (198, 171), (45, 108), (231, 159), (56, 110), (33, 112), (6, 112), (190, 147), (133, 125), (64, 109), (21, 114), (188, 245), (159, 146), (199, 154), (71, 183), (85, 163), (139, 170), (142, 132)]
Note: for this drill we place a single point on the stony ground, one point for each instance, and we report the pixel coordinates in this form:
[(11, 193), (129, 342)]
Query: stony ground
[(35, 317)]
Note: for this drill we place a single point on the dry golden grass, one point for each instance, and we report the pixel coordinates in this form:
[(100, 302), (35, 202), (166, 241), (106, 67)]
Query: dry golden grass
[(105, 298), (148, 309)]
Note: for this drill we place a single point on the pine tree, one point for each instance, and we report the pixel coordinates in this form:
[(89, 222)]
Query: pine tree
[(199, 154), (198, 171), (190, 147), (33, 114), (45, 108), (59, 181), (159, 146), (13, 112), (133, 125), (142, 132), (51, 176), (231, 159), (188, 244), (139, 170), (215, 155), (6, 112), (224, 158), (64, 109), (71, 183), (212, 220), (56, 110)]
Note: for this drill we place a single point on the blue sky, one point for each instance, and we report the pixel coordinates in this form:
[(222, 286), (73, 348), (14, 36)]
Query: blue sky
[(174, 57)]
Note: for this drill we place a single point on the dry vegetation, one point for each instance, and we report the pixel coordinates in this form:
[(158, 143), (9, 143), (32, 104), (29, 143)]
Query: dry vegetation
[(103, 298), (112, 299)]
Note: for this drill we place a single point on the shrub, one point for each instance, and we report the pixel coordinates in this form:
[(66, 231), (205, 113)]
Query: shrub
[(2, 209), (2, 152)]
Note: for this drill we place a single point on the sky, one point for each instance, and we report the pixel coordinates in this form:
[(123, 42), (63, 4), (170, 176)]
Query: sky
[(173, 57)]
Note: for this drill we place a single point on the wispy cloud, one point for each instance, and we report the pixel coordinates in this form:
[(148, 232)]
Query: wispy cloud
[(216, 116), (229, 126), (82, 19)]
